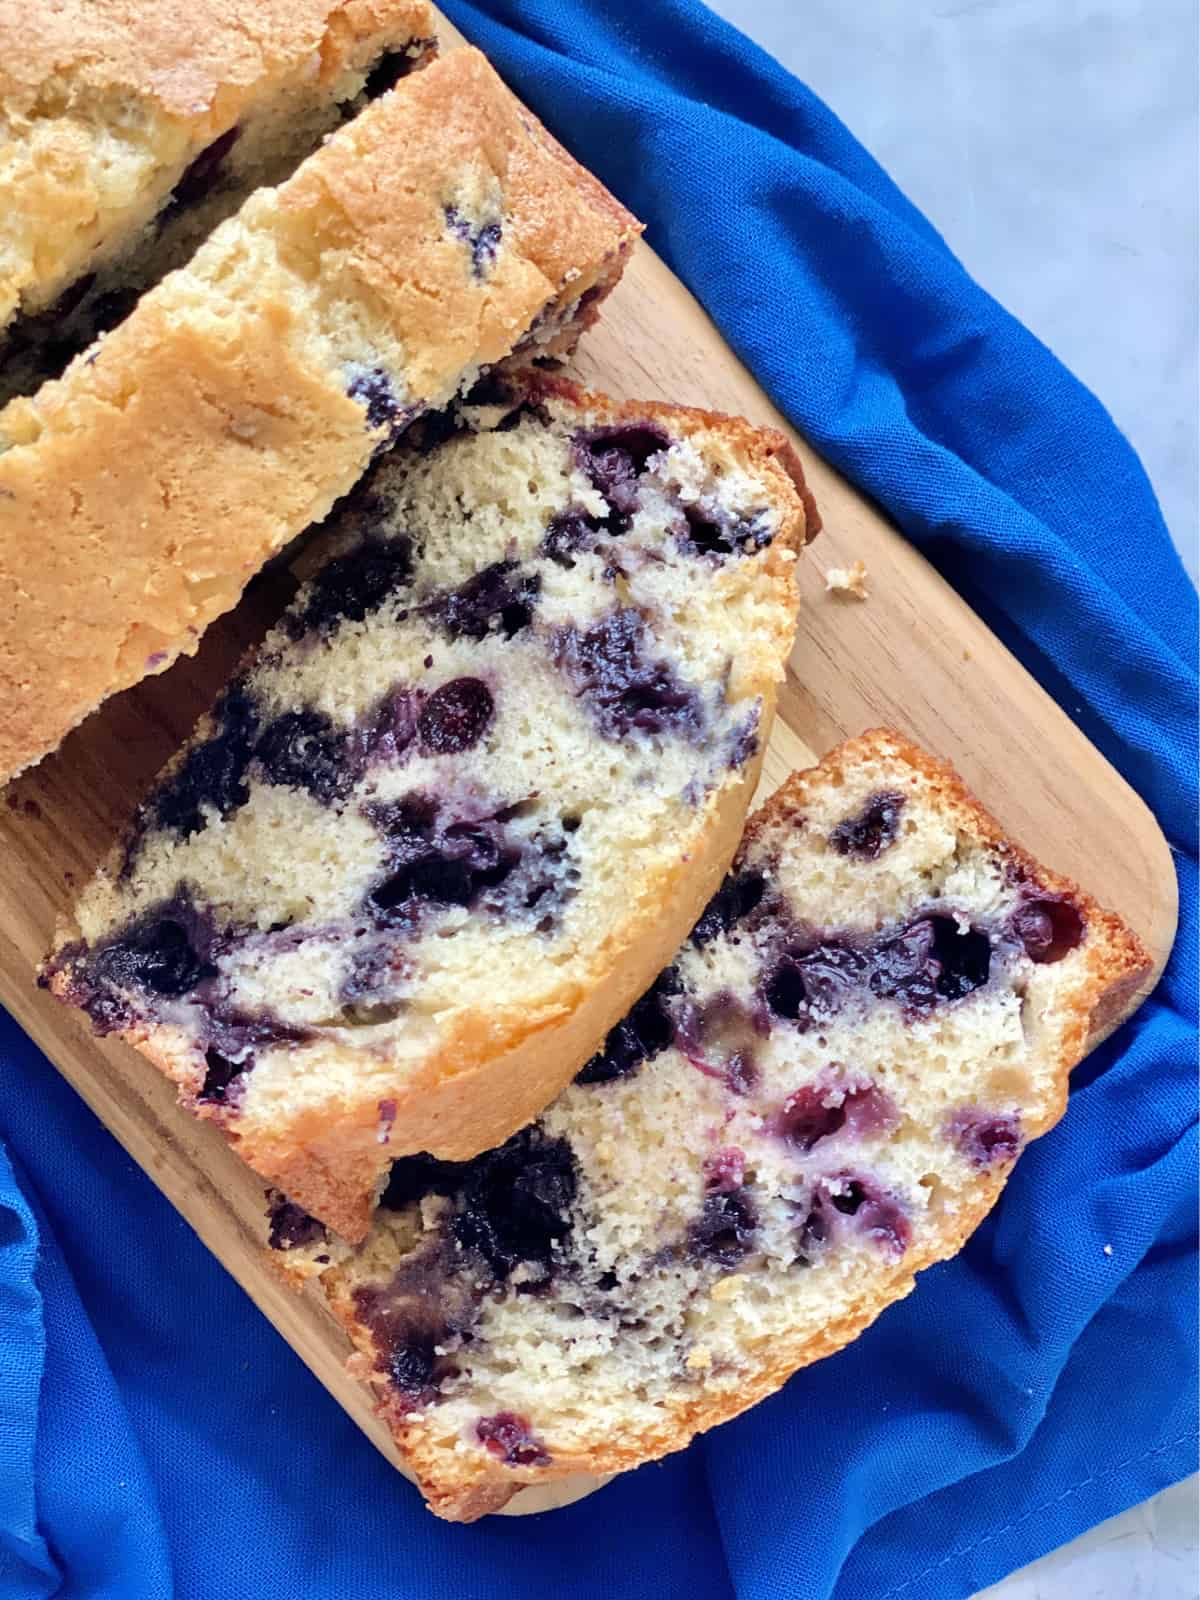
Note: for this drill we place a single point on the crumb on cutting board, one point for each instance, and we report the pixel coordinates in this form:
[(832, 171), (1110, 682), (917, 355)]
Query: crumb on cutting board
[(848, 580)]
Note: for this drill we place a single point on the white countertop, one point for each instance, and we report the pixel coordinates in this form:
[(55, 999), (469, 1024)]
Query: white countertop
[(1054, 146)]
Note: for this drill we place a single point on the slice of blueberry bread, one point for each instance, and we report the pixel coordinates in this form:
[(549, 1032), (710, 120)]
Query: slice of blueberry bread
[(438, 231), (469, 795), (823, 1094), (127, 132)]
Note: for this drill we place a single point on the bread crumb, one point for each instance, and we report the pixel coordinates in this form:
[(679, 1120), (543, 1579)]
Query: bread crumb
[(699, 1357), (848, 580), (1108, 1249), (727, 1288)]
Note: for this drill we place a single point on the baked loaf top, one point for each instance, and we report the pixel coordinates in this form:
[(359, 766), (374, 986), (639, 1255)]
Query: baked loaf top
[(823, 1094), (425, 240), (470, 794), (105, 103)]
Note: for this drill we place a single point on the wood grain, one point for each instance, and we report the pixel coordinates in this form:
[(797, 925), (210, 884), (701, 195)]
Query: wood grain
[(912, 655)]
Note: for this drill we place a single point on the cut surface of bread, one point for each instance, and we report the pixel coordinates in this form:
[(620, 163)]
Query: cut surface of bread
[(823, 1094), (129, 128), (468, 797), (427, 239)]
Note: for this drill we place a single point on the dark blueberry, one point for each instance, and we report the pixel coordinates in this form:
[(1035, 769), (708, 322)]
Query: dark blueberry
[(213, 773), (928, 961), (737, 897), (716, 532), (411, 1367), (515, 1202), (372, 975), (304, 750), (1048, 928), (510, 1437), (868, 833), (413, 1177), (811, 983), (372, 388), (391, 67), (725, 1229), (613, 458), (543, 877), (626, 693), (984, 1137), (292, 1228), (350, 587), (483, 241), (429, 860), (200, 177), (236, 1035), (165, 951), (500, 599), (567, 532), (725, 1170), (744, 740), (455, 717), (221, 1078), (641, 1035)]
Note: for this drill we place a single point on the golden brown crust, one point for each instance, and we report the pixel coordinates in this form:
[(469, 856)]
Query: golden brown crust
[(476, 1485), (158, 81), (149, 484)]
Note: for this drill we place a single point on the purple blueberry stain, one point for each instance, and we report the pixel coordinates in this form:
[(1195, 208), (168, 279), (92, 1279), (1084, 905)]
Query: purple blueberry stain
[(848, 1203), (614, 457), (725, 1230), (498, 600), (430, 855), (352, 586), (569, 533), (609, 668), (304, 750), (372, 388), (455, 717), (985, 1138), (835, 1104), (868, 833), (510, 1438), (725, 1170), (482, 240)]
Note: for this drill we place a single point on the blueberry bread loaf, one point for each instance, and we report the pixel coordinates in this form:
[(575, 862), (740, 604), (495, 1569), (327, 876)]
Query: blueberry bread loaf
[(469, 795), (823, 1094), (428, 238), (127, 131)]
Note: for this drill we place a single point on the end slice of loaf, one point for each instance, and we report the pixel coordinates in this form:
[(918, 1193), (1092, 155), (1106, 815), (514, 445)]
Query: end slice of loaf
[(468, 797), (428, 239), (823, 1095), (128, 130)]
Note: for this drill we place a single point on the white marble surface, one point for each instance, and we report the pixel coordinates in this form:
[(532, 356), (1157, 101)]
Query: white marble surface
[(1054, 145)]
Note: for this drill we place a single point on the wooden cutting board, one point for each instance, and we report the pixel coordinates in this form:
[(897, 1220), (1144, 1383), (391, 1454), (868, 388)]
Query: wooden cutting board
[(912, 655)]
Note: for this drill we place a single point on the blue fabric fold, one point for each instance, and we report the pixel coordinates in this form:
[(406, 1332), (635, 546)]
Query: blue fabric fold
[(157, 1439)]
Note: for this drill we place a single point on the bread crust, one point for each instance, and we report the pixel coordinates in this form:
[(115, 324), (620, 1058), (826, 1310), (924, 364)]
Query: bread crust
[(167, 78), (142, 490), (1116, 962)]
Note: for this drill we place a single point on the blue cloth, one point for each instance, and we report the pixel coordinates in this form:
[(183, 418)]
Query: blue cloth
[(157, 1438)]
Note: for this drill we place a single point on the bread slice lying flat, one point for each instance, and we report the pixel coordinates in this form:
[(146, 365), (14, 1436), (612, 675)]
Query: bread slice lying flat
[(130, 128), (428, 238), (468, 797), (823, 1094)]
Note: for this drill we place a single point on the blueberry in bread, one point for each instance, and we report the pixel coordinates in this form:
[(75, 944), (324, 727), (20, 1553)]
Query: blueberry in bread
[(469, 795), (432, 235), (822, 1094), (130, 130)]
